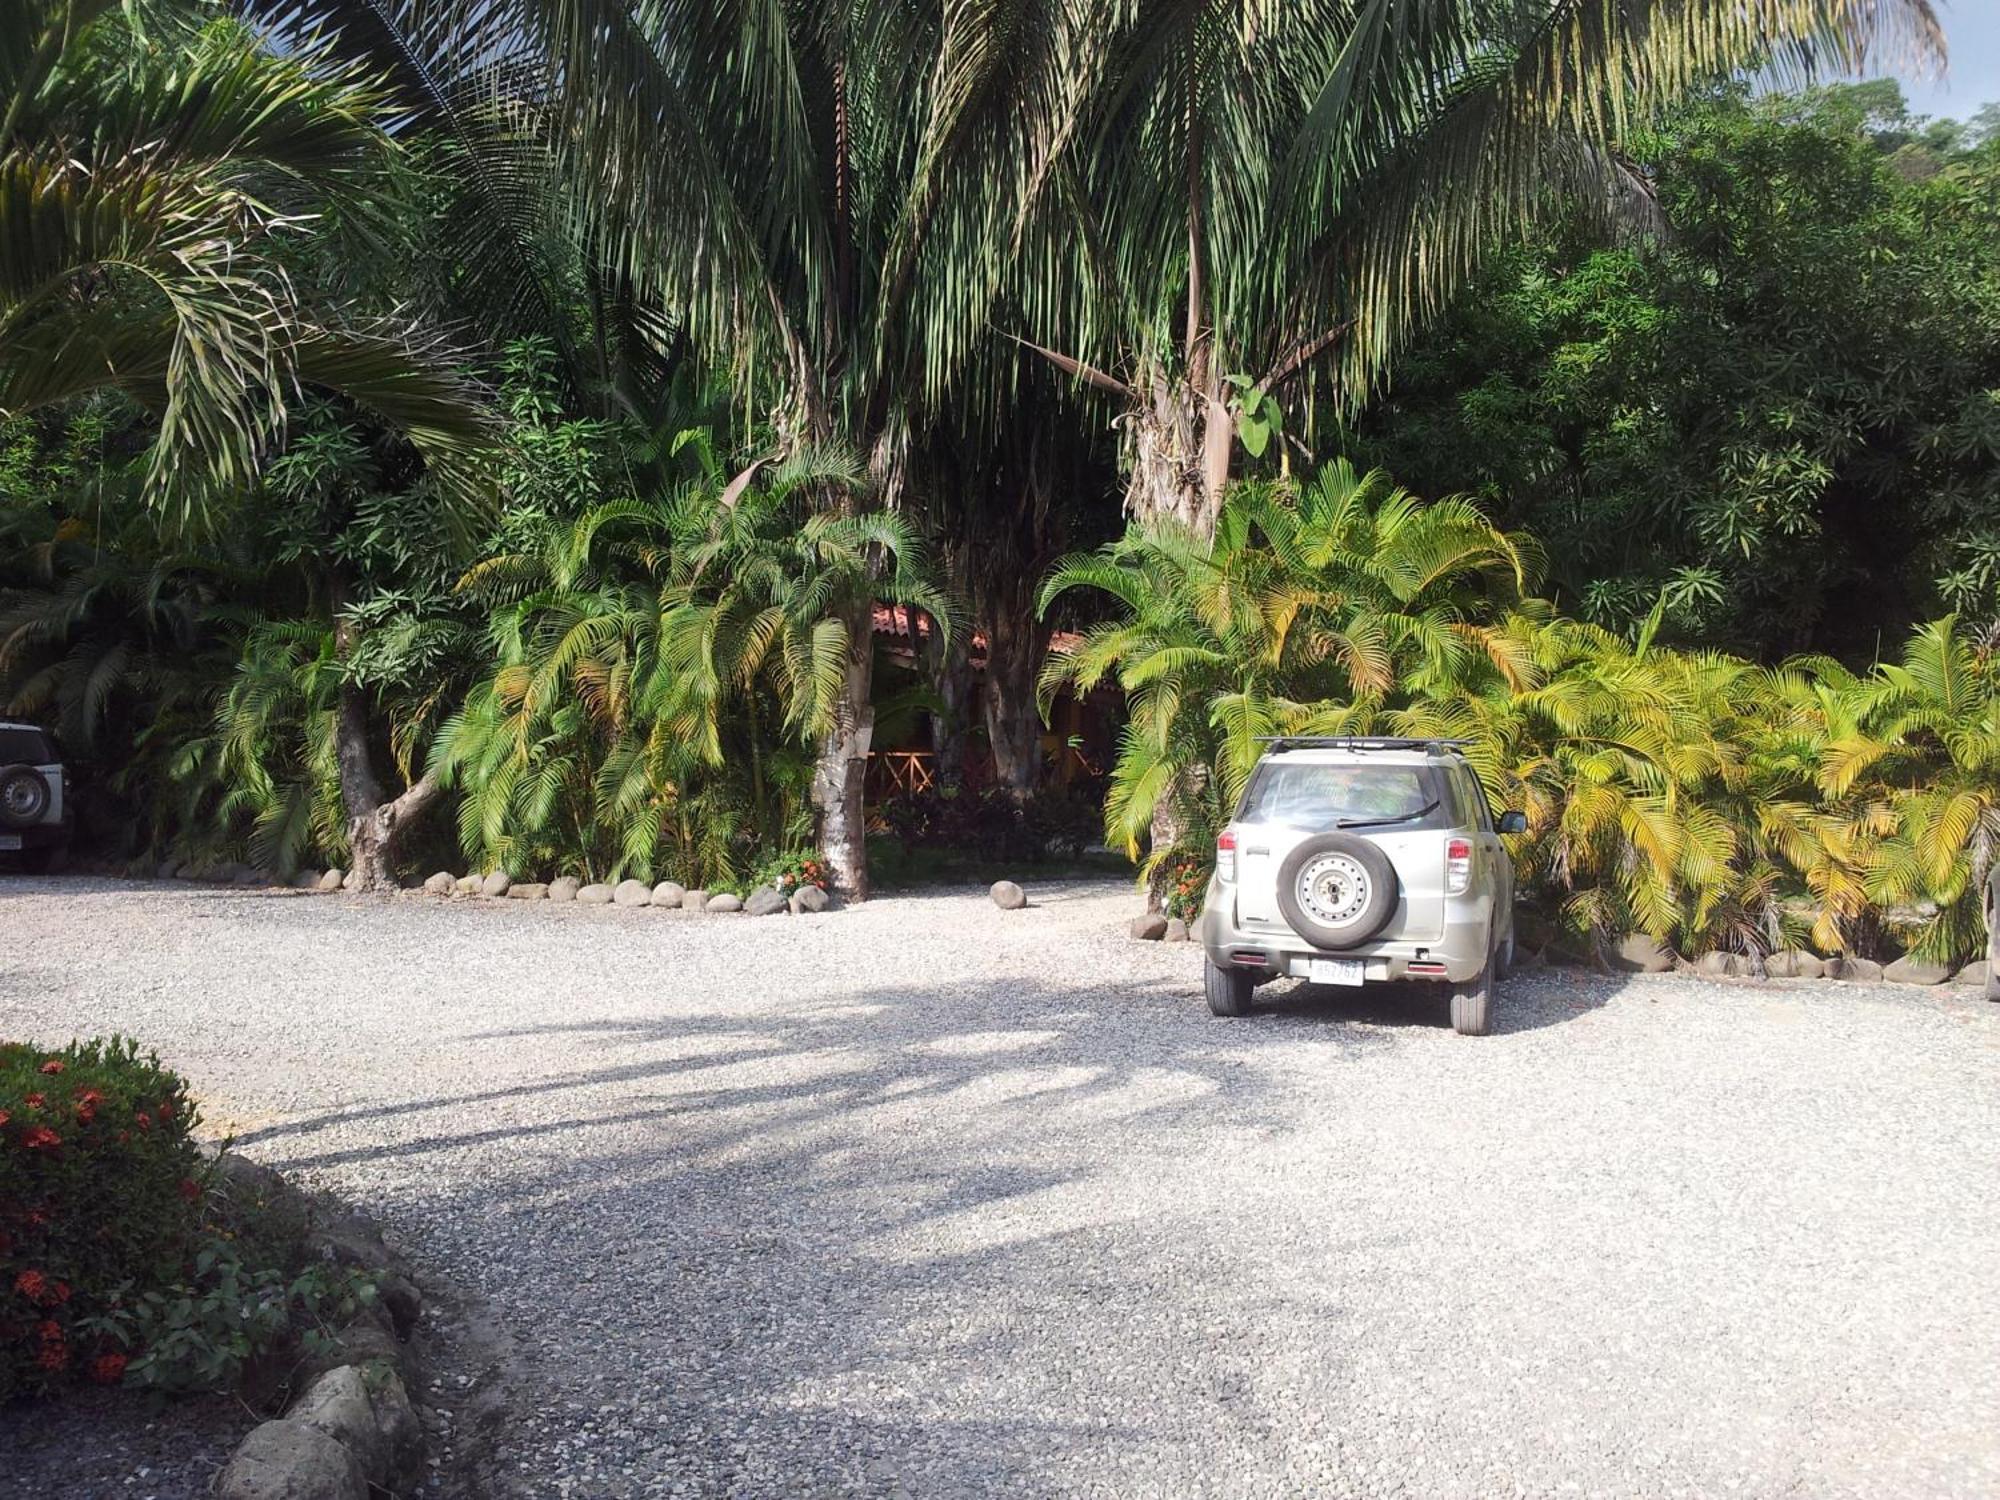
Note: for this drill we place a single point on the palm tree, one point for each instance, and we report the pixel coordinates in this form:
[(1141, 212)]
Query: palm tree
[(1256, 186), (1923, 754), (796, 189), (1303, 612), (149, 178), (666, 657)]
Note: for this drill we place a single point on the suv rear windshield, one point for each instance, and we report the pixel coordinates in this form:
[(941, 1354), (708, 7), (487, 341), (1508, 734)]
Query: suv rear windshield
[(25, 747), (1304, 795)]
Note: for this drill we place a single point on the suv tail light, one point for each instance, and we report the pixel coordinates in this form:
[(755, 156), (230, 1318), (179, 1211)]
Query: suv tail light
[(1457, 866), (1225, 858)]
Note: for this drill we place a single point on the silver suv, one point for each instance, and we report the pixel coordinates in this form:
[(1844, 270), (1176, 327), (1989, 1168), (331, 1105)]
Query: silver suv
[(34, 815), (1351, 861)]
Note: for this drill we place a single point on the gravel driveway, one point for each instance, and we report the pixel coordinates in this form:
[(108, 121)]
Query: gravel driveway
[(929, 1200)]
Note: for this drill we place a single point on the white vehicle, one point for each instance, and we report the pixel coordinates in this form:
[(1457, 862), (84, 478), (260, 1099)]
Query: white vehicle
[(1352, 861), (35, 816)]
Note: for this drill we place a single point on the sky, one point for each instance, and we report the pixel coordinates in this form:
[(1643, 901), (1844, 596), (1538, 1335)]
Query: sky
[(1972, 34)]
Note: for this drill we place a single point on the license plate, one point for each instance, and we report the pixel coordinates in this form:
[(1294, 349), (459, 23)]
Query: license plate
[(1335, 970), (10, 840)]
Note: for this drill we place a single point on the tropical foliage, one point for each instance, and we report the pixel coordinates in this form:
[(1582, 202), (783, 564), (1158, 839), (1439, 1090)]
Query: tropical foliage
[(1683, 793), (436, 432), (1787, 411)]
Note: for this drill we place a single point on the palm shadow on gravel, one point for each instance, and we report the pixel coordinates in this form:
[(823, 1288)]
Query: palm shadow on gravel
[(797, 1204)]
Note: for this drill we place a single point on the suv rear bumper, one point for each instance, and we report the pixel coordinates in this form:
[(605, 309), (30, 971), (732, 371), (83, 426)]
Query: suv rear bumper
[(36, 836), (1460, 953)]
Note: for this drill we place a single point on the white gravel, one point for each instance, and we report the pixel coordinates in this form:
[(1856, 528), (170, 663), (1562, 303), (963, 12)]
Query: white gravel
[(932, 1200)]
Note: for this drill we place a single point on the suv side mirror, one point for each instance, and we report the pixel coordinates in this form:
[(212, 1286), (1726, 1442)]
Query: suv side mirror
[(1513, 821)]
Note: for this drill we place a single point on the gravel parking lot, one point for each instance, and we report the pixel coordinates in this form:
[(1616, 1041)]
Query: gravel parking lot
[(924, 1199)]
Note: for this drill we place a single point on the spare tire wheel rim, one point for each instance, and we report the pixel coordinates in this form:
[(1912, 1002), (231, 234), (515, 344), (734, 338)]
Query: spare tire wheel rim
[(23, 797), (1334, 888)]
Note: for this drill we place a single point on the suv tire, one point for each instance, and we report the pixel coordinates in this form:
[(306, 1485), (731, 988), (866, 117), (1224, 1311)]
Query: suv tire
[(1472, 1002), (24, 797), (1228, 990), (1364, 871)]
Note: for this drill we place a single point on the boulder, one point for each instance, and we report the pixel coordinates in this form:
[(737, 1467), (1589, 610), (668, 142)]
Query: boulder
[(368, 1412), (1972, 973), (367, 1341), (305, 881), (632, 893), (766, 901), (564, 888), (1637, 953), (809, 898), (1793, 964), (332, 880), (1008, 896), (1716, 964), (595, 894), (442, 884), (695, 900), (1149, 928), (724, 901), (1908, 970), (166, 869), (1177, 931), (1854, 970), (467, 885), (291, 1461), (527, 891), (669, 893), (495, 884)]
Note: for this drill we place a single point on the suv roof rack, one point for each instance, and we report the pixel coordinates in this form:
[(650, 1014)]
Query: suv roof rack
[(1355, 742)]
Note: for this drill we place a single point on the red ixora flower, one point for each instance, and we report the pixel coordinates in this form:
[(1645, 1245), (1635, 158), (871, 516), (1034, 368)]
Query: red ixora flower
[(37, 1137), (53, 1066), (34, 1101), (108, 1369), (86, 1105), (4, 1117), (143, 1120), (190, 1190), (54, 1355), (31, 1284)]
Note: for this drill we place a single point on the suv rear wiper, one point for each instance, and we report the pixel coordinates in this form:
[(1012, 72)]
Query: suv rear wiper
[(1409, 817)]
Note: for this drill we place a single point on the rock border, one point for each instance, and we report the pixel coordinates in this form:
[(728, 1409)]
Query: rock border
[(495, 885), (351, 1429)]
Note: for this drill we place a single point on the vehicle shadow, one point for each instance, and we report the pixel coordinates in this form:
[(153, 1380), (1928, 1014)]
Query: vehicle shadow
[(1526, 1002)]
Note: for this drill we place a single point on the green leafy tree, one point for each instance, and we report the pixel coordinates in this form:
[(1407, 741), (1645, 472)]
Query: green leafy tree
[(1784, 411)]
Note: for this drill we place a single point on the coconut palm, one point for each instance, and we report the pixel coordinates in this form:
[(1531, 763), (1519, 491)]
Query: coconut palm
[(1257, 186), (150, 174), (785, 184)]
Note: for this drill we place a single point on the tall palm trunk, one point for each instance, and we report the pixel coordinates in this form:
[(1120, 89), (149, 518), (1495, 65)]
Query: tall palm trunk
[(950, 663), (840, 765), (1015, 644)]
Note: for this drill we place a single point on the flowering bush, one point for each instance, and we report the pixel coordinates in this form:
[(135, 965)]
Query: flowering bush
[(118, 1264), (100, 1185), (1184, 882), (792, 871)]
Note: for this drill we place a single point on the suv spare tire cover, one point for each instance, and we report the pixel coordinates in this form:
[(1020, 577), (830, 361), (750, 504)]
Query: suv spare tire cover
[(24, 797), (1336, 890)]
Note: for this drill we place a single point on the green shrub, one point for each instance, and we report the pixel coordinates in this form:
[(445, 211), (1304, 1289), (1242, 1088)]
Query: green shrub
[(118, 1262), (99, 1187)]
